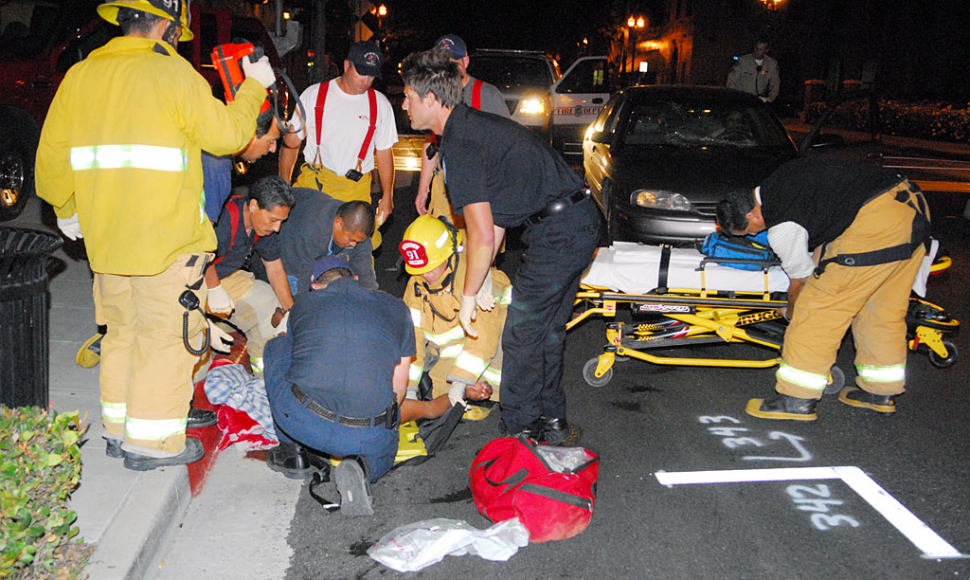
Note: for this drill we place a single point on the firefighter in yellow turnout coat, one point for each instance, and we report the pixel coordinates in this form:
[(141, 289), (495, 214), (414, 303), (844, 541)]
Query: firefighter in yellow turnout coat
[(432, 254), (119, 160)]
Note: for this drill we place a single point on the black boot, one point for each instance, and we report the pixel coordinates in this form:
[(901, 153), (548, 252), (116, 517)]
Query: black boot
[(783, 407), (532, 431), (885, 404), (291, 460), (559, 432), (201, 418)]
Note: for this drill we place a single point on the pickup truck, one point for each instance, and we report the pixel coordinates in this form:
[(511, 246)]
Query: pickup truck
[(41, 39)]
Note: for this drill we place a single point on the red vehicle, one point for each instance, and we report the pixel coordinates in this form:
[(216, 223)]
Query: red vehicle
[(41, 39)]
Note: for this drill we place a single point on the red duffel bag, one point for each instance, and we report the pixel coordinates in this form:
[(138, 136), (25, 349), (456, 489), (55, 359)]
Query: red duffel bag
[(550, 489)]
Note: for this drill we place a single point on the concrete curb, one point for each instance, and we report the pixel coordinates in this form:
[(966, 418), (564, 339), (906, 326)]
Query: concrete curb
[(142, 527)]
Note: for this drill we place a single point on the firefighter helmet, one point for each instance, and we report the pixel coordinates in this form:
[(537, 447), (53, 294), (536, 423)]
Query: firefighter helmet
[(184, 23), (428, 242), (167, 9)]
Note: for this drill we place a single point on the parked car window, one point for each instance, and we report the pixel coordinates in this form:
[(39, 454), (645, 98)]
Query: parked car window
[(80, 48), (724, 124)]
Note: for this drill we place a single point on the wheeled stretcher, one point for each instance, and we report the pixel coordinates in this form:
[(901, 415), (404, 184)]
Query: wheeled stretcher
[(678, 297)]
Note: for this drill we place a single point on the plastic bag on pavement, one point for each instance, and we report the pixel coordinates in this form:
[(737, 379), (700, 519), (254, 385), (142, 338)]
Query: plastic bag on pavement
[(411, 547)]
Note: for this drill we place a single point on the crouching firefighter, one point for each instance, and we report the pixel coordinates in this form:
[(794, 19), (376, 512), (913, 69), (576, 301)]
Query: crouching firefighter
[(458, 365), (869, 229)]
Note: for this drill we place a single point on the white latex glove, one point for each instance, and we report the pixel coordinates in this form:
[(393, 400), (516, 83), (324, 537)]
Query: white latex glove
[(218, 301), (281, 327), (260, 70), (485, 298), (219, 339), (467, 314), (70, 227), (456, 394)]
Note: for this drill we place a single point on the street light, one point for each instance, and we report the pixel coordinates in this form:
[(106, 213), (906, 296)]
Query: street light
[(638, 23), (772, 4)]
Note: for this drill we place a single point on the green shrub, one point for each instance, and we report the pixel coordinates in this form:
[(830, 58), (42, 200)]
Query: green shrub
[(933, 121), (40, 468)]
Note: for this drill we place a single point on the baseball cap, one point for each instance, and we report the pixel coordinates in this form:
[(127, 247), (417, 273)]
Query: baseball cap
[(328, 263), (454, 45), (366, 58)]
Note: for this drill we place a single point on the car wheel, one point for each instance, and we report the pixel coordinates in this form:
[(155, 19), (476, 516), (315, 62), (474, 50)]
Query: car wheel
[(17, 153)]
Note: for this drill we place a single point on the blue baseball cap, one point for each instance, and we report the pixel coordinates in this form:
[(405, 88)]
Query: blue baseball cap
[(328, 263), (454, 45)]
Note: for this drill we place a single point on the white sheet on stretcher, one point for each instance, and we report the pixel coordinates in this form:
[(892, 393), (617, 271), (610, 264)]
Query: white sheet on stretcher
[(633, 268)]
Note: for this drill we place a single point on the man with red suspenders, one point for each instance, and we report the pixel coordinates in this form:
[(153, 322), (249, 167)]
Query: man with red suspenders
[(346, 121), (475, 93)]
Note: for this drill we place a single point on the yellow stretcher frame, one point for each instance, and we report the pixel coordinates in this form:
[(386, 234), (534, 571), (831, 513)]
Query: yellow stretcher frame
[(708, 316)]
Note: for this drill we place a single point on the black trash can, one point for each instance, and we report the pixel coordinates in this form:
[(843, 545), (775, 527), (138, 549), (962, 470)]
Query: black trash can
[(24, 324)]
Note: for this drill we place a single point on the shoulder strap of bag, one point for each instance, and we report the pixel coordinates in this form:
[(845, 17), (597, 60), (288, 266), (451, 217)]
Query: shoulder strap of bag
[(477, 94)]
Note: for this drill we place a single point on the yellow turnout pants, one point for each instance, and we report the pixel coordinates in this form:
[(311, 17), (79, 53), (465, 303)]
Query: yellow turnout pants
[(872, 299), (146, 371)]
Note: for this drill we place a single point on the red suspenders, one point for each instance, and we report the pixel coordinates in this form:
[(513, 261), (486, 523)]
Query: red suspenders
[(318, 117)]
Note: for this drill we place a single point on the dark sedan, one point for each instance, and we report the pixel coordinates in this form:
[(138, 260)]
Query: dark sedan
[(658, 158)]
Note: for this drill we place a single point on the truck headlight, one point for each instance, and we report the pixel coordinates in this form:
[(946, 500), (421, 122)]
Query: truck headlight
[(532, 105), (659, 199)]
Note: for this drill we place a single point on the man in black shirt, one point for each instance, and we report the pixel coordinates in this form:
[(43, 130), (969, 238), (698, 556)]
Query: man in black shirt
[(500, 175), (867, 226)]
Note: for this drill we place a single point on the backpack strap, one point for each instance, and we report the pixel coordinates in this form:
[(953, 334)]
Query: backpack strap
[(477, 94), (233, 210)]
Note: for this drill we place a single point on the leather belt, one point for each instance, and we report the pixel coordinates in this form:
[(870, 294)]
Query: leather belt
[(327, 415), (556, 207)]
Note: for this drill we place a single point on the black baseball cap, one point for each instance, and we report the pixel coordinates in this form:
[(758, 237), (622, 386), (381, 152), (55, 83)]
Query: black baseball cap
[(366, 58)]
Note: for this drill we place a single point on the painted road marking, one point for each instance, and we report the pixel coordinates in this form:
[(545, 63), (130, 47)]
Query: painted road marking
[(924, 538)]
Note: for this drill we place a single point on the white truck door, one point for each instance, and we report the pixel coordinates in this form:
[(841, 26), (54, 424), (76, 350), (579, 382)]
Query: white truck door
[(577, 98)]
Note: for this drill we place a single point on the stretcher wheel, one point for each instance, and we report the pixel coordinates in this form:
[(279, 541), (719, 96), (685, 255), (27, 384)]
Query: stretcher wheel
[(589, 374), (941, 362), (836, 381)]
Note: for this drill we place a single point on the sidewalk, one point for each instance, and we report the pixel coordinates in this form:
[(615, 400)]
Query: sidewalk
[(128, 515)]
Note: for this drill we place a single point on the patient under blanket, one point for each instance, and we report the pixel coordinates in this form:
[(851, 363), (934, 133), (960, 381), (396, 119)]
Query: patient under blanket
[(634, 268)]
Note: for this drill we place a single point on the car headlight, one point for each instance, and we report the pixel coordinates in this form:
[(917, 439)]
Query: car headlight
[(659, 199), (532, 105)]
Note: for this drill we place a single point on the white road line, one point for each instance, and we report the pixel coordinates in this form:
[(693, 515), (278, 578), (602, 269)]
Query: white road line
[(924, 538)]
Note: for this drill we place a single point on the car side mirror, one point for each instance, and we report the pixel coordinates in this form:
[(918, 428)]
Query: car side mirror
[(599, 137)]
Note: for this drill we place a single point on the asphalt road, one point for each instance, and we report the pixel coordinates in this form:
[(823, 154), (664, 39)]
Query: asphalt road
[(653, 419)]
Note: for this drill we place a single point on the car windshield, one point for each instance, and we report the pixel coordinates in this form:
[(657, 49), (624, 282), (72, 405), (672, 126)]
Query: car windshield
[(29, 27), (701, 124), (512, 73)]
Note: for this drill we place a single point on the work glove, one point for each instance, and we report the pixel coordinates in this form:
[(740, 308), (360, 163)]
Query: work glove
[(70, 227), (485, 298), (281, 327), (218, 301), (260, 70), (219, 339), (456, 394), (467, 314)]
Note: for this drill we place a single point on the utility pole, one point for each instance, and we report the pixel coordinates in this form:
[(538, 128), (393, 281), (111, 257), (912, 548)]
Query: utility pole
[(318, 72)]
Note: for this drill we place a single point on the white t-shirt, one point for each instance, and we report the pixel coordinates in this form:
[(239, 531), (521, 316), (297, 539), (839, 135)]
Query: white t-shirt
[(345, 122)]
